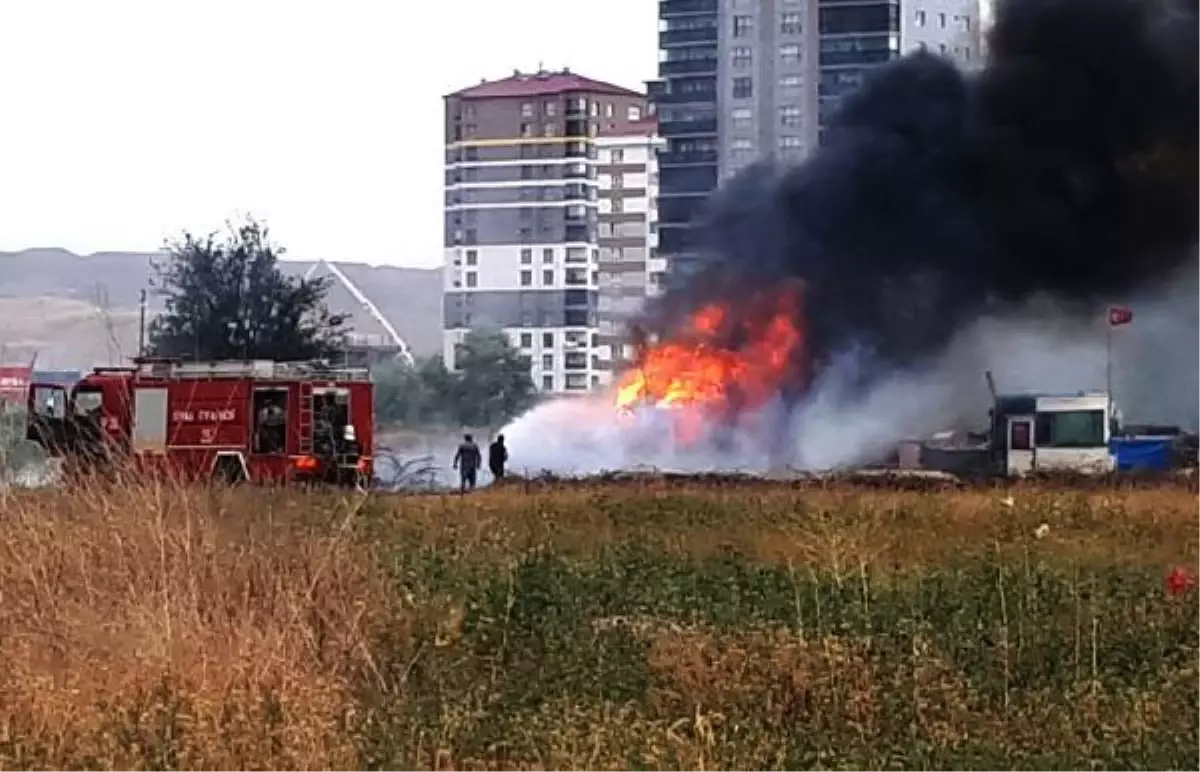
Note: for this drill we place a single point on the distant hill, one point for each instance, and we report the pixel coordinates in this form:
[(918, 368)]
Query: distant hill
[(82, 310)]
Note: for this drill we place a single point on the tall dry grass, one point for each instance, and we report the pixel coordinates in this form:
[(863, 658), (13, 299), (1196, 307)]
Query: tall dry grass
[(597, 626), (168, 627)]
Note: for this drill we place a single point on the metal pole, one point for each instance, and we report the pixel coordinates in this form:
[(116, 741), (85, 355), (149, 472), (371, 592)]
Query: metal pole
[(142, 325), (1108, 345), (1108, 361)]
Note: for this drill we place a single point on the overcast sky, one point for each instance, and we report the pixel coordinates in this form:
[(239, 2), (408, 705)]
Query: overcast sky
[(125, 121)]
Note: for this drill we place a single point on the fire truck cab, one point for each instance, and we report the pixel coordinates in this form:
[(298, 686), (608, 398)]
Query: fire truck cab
[(236, 421)]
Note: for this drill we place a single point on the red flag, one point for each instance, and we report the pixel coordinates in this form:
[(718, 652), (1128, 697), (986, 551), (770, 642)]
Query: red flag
[(1120, 315)]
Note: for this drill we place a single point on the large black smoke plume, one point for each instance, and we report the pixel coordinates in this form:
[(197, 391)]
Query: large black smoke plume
[(952, 223), (1067, 167)]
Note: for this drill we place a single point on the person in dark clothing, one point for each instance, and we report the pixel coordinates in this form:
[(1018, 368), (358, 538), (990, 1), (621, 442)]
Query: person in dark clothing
[(467, 461), (497, 457)]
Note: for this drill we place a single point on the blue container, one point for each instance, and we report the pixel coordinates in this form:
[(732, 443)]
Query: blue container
[(1142, 453)]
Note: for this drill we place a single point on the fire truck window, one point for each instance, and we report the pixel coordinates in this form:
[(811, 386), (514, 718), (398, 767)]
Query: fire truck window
[(88, 402), (50, 402), (270, 421)]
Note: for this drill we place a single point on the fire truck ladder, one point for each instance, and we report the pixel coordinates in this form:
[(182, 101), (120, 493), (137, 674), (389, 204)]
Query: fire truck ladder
[(304, 424)]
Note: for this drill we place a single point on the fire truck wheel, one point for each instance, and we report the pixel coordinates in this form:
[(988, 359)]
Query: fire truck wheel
[(229, 470)]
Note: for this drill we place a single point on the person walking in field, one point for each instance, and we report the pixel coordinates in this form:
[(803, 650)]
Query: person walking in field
[(467, 461), (497, 457)]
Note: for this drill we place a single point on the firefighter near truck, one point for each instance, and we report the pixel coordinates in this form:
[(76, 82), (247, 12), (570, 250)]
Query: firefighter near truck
[(256, 421)]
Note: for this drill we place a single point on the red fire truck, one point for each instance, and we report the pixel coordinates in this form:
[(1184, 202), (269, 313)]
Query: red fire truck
[(236, 421)]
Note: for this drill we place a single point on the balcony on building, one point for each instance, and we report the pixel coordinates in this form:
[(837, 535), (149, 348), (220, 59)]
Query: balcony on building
[(687, 36), (576, 233), (575, 192), (368, 350), (687, 157), (679, 210), (575, 171), (670, 8), (575, 126), (677, 96), (705, 66), (576, 213), (575, 360), (577, 298), (577, 106), (576, 149), (702, 126), (576, 277)]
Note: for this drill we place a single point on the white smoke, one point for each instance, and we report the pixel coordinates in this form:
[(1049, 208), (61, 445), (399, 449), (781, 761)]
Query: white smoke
[(1155, 379)]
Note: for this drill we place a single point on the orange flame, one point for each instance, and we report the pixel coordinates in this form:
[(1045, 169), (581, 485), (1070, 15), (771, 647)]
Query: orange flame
[(700, 374)]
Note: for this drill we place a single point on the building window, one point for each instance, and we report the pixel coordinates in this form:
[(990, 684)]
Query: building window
[(547, 361), (548, 255), (527, 110), (547, 383), (527, 340), (616, 156), (548, 340), (526, 278), (942, 20), (743, 26), (743, 57), (550, 109), (920, 18), (548, 278), (618, 206), (609, 110), (633, 113), (789, 81), (548, 130), (966, 22), (743, 117), (789, 24), (790, 116), (472, 279), (617, 181), (526, 129), (789, 54), (472, 257), (526, 256), (743, 88), (790, 143)]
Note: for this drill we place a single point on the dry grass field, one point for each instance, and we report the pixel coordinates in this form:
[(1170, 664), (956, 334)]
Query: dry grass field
[(600, 626)]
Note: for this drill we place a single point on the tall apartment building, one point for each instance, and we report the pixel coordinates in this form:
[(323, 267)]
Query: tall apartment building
[(744, 80), (630, 270), (522, 216)]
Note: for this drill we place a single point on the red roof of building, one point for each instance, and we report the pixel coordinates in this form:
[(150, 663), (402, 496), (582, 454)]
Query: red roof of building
[(543, 83)]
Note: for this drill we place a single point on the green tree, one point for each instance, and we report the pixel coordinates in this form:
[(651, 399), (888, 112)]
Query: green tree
[(228, 299), (492, 379), (415, 394), (490, 386)]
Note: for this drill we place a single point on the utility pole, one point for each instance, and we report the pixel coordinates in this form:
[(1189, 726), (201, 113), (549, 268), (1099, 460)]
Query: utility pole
[(142, 324)]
